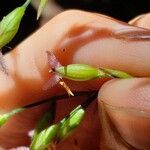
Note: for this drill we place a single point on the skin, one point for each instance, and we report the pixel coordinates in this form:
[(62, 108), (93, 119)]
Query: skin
[(28, 72)]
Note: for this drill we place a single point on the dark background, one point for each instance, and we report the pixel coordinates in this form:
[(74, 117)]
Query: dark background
[(120, 9)]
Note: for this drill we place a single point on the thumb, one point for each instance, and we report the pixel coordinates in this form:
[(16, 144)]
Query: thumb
[(141, 21), (127, 103)]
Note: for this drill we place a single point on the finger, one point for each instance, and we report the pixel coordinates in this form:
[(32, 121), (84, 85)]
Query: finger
[(126, 117), (127, 103), (141, 21), (86, 38)]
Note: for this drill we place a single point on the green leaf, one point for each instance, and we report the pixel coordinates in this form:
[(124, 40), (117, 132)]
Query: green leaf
[(116, 73), (44, 138), (9, 25), (41, 7), (79, 72), (71, 122), (5, 117)]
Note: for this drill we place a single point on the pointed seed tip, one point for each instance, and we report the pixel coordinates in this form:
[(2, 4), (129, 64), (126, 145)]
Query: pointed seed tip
[(37, 18)]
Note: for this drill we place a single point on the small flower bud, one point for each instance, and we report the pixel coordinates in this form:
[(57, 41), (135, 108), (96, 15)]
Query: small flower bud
[(41, 7), (43, 123), (5, 117), (79, 72), (68, 124), (10, 24), (44, 138)]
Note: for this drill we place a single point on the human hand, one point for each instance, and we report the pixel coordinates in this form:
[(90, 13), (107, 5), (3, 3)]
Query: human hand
[(91, 39)]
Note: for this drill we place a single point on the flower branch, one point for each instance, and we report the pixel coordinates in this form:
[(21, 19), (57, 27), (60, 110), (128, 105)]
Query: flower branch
[(5, 117)]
